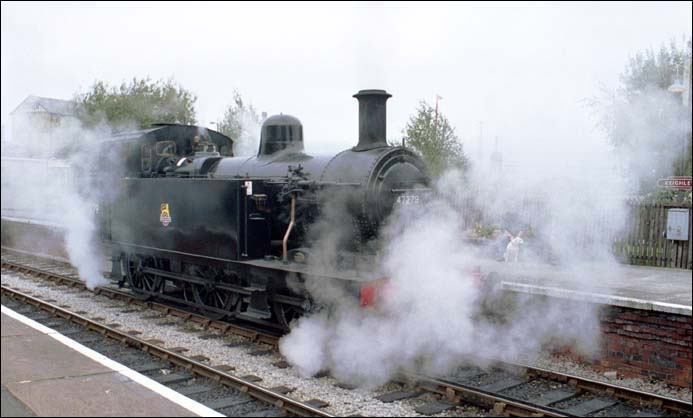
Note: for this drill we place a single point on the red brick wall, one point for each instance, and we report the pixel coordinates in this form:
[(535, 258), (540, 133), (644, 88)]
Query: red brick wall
[(647, 344)]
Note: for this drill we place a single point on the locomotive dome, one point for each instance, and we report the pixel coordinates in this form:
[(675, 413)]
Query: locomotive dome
[(281, 132)]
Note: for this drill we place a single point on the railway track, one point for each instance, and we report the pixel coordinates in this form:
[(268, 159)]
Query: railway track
[(507, 389), (224, 391), (517, 390), (63, 274)]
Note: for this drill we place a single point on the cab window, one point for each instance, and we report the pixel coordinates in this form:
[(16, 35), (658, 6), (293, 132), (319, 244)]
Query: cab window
[(166, 148), (205, 146)]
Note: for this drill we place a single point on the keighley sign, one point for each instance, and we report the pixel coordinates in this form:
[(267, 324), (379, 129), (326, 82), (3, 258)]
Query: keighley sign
[(675, 183)]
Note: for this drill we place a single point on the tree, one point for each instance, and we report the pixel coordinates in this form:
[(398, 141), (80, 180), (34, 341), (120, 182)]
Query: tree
[(648, 126), (142, 102), (649, 70), (435, 140), (242, 124)]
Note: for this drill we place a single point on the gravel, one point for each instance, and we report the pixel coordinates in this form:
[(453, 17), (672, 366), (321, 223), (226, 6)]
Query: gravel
[(342, 401), (622, 410), (533, 389), (574, 401), (487, 379)]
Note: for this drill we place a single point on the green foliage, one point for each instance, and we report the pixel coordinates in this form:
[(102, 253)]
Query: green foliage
[(655, 70), (236, 116), (436, 141), (142, 102), (674, 196), (484, 231), (648, 126)]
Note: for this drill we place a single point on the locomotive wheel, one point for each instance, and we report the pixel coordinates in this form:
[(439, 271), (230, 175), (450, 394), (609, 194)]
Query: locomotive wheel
[(208, 295), (142, 284), (286, 314), (214, 298)]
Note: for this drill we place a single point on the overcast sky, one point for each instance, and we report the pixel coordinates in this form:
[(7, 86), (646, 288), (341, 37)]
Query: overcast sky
[(521, 69)]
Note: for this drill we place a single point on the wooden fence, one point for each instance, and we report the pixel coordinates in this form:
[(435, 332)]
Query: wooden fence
[(644, 241)]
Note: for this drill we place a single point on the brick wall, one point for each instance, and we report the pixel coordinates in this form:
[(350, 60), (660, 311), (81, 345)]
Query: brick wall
[(647, 344)]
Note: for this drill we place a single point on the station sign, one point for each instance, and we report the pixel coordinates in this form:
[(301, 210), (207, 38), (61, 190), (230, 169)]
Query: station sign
[(675, 183)]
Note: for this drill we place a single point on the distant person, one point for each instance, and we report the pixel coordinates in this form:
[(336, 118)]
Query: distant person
[(197, 145), (500, 240)]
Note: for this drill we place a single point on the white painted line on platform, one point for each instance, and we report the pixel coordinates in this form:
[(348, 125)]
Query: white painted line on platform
[(599, 298), (170, 394)]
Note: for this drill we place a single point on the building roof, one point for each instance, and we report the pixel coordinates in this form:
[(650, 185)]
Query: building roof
[(46, 104)]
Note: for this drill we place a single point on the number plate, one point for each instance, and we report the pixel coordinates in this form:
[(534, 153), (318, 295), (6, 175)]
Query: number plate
[(408, 199)]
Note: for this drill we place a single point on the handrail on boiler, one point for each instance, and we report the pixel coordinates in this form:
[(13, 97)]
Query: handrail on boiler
[(288, 230)]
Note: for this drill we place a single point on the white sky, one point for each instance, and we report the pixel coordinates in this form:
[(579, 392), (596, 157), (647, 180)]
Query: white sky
[(521, 69)]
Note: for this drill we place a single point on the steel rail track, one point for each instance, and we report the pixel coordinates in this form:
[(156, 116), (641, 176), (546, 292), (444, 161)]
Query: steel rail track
[(498, 405), (254, 334), (670, 405), (501, 405), (455, 392), (290, 405)]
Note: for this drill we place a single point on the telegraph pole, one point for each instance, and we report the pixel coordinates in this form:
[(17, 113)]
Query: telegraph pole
[(685, 91)]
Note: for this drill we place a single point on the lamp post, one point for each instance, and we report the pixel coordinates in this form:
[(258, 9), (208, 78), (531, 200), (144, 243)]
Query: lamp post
[(679, 87)]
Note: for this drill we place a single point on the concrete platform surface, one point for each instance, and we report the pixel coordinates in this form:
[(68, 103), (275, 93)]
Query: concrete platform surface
[(639, 287), (46, 374), (12, 407)]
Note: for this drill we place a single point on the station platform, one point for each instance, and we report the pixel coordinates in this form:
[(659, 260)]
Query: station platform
[(638, 287), (47, 374)]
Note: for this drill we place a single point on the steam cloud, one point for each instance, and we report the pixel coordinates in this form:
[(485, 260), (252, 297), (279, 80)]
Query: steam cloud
[(432, 316), (248, 142), (61, 191), (435, 315)]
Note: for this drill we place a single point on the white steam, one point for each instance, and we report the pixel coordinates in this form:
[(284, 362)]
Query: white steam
[(652, 130), (248, 141), (432, 316), (81, 239), (569, 204), (60, 191)]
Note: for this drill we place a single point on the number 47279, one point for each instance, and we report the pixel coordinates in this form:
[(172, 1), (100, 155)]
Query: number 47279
[(407, 199)]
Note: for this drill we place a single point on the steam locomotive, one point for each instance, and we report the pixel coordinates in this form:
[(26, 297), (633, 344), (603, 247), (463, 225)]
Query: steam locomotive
[(236, 236)]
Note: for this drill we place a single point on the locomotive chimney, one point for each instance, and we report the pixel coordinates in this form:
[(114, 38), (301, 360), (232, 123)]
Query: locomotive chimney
[(372, 119)]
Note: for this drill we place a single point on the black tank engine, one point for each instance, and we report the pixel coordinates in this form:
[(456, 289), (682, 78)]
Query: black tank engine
[(241, 236)]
